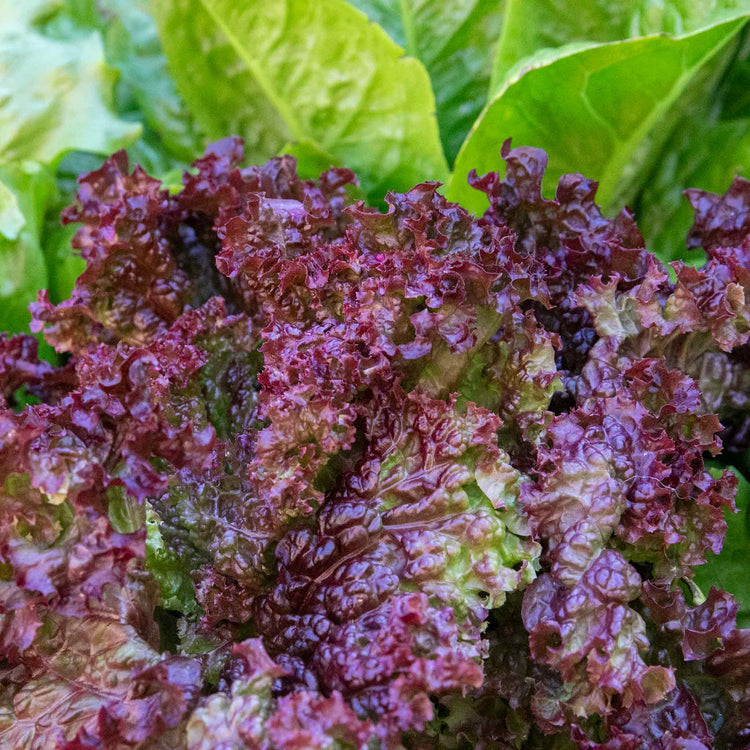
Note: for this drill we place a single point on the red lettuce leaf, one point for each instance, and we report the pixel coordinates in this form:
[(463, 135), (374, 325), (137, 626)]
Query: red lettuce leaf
[(95, 682), (720, 220), (437, 478)]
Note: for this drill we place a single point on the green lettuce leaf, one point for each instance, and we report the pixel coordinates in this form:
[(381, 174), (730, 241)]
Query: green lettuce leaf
[(146, 90), (532, 25), (709, 147), (317, 73), (175, 587), (605, 110), (56, 98), (454, 39), (55, 90), (26, 189), (64, 265)]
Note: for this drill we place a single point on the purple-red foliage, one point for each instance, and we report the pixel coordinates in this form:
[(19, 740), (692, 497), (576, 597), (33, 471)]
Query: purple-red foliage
[(319, 476)]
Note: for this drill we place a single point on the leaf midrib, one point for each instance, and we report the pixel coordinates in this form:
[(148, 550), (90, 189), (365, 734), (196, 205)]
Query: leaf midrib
[(296, 128)]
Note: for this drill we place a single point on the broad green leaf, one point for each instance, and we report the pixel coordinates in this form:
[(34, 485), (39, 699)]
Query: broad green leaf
[(733, 94), (144, 93), (532, 25), (25, 191), (146, 90), (708, 148), (729, 569), (604, 111), (314, 72), (54, 92), (455, 40), (706, 157), (12, 221), (64, 266)]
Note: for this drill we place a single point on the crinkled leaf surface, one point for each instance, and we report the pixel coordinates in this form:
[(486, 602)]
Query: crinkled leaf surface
[(728, 569), (455, 41), (403, 473), (175, 586), (96, 679), (604, 110), (307, 72)]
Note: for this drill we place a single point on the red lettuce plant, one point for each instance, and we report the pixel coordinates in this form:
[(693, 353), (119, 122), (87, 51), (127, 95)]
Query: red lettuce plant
[(318, 476)]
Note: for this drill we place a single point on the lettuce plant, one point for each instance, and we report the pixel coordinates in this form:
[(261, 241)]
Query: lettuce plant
[(315, 475)]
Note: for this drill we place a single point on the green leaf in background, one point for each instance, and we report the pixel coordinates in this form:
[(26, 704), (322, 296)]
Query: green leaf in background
[(63, 264), (708, 148), (604, 111), (729, 569), (54, 92), (145, 90), (532, 25), (55, 97), (65, 19), (311, 72), (455, 40), (26, 188), (12, 221), (702, 156)]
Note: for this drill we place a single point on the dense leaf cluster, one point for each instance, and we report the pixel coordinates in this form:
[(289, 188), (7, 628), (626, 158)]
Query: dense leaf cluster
[(315, 475)]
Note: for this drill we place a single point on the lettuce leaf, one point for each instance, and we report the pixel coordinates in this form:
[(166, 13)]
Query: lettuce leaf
[(529, 27), (454, 40), (612, 109), (26, 189), (61, 90), (709, 147), (58, 98), (376, 113)]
